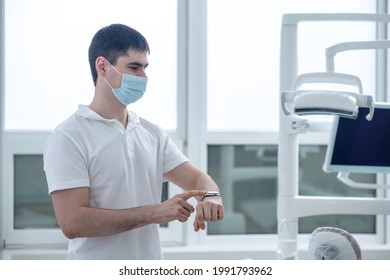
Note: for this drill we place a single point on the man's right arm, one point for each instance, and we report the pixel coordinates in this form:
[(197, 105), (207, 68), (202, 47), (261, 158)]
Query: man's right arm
[(77, 219)]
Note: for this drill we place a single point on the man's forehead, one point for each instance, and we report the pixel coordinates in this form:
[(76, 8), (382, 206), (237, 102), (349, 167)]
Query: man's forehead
[(134, 56)]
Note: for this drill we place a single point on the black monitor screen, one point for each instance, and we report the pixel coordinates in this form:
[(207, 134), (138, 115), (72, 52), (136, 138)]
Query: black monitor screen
[(359, 145)]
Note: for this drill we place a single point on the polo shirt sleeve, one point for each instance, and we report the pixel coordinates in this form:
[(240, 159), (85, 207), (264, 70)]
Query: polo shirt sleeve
[(65, 162), (172, 156)]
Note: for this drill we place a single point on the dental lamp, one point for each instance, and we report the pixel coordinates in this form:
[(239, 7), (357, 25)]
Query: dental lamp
[(326, 102)]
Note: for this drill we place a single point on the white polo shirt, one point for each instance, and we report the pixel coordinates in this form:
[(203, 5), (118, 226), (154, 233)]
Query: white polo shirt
[(123, 167)]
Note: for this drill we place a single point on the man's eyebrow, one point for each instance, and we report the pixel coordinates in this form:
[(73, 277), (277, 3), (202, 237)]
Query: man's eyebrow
[(137, 64)]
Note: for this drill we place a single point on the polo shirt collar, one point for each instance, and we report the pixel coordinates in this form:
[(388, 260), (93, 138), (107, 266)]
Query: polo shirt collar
[(87, 113)]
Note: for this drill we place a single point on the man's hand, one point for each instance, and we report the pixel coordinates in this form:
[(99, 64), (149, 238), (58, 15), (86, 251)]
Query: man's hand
[(177, 207), (210, 209)]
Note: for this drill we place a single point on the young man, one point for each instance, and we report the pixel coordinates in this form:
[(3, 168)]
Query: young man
[(105, 165)]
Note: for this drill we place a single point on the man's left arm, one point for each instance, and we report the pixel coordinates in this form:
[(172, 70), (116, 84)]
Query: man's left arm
[(210, 206)]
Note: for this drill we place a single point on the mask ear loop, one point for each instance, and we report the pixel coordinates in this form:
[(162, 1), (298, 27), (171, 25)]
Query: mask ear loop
[(115, 70), (108, 83)]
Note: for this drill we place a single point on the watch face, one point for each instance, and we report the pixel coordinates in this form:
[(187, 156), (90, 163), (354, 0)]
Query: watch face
[(210, 194)]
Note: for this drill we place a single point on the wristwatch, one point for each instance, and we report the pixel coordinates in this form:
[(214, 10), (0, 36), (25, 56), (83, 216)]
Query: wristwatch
[(210, 194)]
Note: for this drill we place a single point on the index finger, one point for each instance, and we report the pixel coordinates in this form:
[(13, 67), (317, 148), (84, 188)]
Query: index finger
[(188, 194)]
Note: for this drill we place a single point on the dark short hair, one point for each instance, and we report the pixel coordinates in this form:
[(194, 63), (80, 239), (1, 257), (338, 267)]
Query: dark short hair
[(112, 42)]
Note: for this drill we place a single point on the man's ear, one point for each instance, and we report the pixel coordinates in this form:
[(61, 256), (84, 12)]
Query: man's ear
[(101, 66)]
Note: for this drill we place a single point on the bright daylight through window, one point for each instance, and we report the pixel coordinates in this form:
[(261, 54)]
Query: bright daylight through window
[(46, 68)]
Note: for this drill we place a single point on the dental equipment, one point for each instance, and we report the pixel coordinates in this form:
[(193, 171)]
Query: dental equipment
[(331, 243), (290, 205), (326, 102)]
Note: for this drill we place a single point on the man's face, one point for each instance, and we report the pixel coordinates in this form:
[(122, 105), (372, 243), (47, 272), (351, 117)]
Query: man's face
[(133, 63)]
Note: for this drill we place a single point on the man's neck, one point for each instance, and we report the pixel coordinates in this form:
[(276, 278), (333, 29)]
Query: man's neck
[(110, 110)]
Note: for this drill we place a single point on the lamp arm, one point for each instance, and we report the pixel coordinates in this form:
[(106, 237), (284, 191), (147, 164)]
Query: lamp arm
[(344, 177), (328, 77)]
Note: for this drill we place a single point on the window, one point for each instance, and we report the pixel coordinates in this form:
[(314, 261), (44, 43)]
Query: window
[(46, 58), (243, 56), (32, 203), (248, 174), (28, 217)]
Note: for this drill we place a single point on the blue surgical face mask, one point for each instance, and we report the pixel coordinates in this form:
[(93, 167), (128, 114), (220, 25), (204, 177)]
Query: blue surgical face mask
[(132, 88)]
